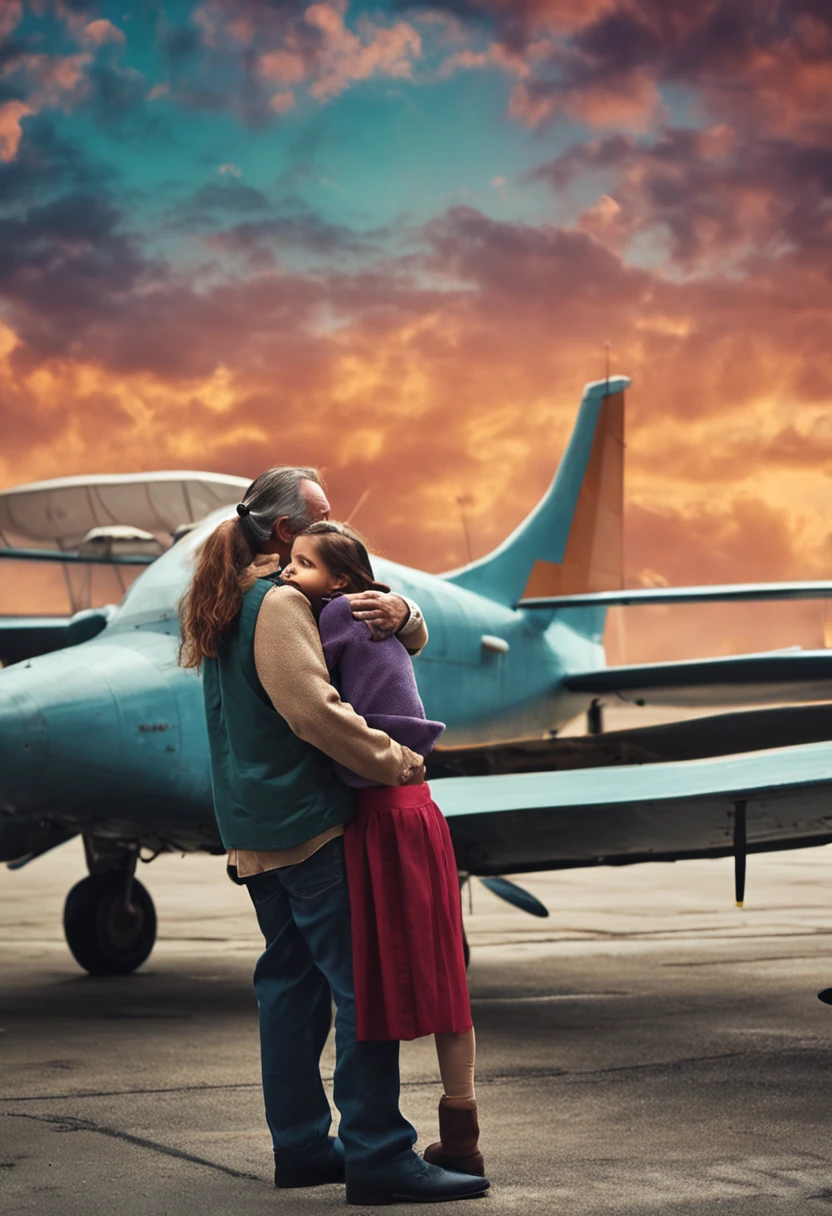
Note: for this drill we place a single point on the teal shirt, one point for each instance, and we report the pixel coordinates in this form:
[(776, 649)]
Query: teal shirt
[(271, 789)]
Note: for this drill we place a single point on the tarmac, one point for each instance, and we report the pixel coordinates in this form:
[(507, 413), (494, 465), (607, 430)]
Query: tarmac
[(648, 1048)]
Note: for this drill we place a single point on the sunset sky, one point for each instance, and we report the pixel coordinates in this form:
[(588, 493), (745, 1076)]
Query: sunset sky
[(392, 239)]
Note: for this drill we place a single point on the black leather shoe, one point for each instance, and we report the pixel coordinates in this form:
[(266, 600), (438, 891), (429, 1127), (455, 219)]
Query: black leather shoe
[(327, 1168), (414, 1183), (826, 996)]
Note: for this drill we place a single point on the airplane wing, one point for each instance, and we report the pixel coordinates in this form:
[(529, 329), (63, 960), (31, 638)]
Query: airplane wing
[(722, 594), (789, 675), (61, 512), (522, 822), (76, 559), (704, 737)]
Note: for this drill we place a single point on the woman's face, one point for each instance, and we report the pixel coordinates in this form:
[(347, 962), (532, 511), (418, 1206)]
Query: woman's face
[(307, 572)]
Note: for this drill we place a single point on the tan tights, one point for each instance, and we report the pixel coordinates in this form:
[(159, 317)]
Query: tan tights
[(456, 1053)]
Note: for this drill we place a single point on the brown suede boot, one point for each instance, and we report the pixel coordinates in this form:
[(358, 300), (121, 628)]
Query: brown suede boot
[(457, 1147)]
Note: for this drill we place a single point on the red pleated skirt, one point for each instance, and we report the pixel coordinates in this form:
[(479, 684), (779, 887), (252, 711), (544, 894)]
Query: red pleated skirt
[(406, 917)]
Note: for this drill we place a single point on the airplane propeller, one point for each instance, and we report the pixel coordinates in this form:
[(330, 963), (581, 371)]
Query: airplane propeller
[(509, 891), (517, 896)]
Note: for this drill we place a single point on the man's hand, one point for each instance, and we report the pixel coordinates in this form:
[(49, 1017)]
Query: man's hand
[(418, 777), (384, 611)]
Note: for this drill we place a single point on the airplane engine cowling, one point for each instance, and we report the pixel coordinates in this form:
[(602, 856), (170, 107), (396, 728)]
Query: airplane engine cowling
[(94, 732)]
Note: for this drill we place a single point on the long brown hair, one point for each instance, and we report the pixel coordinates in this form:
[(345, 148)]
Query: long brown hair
[(344, 553), (225, 572)]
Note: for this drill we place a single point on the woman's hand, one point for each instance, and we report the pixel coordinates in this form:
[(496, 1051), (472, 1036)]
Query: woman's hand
[(384, 611)]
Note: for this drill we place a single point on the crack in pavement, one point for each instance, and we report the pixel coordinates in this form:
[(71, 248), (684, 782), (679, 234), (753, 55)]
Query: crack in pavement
[(485, 1079), (738, 962), (124, 1093), (69, 1123)]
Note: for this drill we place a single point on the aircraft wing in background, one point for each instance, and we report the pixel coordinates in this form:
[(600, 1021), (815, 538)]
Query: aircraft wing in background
[(704, 737), (714, 594), (77, 559), (788, 675), (758, 801)]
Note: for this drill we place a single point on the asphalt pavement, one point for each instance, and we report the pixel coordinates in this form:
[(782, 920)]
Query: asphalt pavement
[(648, 1048)]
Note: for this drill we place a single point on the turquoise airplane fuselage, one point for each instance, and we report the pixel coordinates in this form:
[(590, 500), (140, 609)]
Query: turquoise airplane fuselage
[(109, 737), (114, 728)]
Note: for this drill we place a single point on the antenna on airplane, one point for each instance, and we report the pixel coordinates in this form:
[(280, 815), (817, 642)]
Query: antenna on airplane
[(362, 499), (463, 501), (607, 363)]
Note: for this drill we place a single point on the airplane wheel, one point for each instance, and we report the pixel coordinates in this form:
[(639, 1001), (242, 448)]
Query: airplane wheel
[(105, 935)]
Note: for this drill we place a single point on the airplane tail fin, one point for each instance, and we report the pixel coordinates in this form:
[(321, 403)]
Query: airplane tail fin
[(573, 540)]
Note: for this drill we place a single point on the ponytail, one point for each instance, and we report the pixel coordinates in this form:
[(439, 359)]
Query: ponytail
[(215, 595), (225, 572)]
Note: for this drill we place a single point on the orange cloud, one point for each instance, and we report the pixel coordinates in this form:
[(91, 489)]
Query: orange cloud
[(282, 66), (311, 46), (11, 14), (496, 55), (729, 441), (102, 31), (56, 77), (345, 57), (54, 80), (11, 132)]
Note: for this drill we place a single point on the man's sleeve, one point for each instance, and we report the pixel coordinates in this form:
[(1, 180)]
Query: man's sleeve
[(290, 664), (413, 634)]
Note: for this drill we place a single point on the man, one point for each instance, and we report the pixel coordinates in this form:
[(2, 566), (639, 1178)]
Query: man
[(271, 711)]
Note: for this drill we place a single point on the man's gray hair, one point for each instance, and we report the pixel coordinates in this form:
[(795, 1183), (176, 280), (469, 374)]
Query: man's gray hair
[(276, 493)]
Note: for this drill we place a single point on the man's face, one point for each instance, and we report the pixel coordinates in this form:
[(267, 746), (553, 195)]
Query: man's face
[(316, 502), (317, 507)]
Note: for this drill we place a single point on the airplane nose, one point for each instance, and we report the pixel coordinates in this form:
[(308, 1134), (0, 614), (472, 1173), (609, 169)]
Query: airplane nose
[(55, 718), (92, 732)]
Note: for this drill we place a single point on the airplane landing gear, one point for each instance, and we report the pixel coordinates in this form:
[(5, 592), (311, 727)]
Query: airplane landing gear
[(109, 918), (109, 930), (595, 718)]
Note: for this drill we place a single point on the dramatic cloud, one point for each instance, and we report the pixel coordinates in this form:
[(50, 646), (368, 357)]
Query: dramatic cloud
[(214, 199), (256, 240), (715, 195), (605, 62), (323, 49), (362, 372), (64, 268), (11, 14), (101, 31), (184, 284), (11, 132)]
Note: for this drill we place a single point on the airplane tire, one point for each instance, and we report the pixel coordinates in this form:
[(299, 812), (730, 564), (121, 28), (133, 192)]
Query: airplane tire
[(105, 936)]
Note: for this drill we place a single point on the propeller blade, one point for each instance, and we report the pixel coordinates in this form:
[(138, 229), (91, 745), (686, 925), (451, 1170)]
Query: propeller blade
[(512, 894)]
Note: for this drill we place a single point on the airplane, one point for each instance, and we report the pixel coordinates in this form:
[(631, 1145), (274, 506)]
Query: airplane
[(103, 735)]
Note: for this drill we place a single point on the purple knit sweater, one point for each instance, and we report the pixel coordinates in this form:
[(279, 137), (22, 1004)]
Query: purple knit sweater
[(377, 680)]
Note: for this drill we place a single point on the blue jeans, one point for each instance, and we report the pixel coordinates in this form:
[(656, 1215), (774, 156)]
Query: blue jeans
[(304, 914)]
